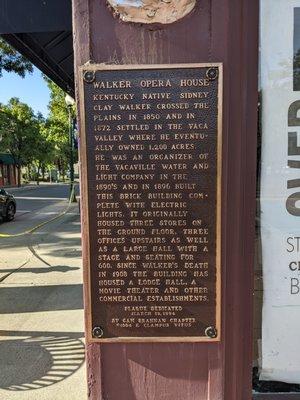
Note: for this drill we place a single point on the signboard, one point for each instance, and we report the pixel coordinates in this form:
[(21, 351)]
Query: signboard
[(152, 174), (280, 189)]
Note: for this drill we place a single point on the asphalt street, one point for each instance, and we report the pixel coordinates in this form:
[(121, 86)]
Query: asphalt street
[(36, 204), (41, 309)]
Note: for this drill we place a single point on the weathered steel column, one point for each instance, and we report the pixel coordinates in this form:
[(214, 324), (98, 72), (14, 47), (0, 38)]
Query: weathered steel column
[(213, 31)]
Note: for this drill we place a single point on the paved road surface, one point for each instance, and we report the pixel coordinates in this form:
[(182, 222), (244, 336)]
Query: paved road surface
[(41, 312), (36, 204)]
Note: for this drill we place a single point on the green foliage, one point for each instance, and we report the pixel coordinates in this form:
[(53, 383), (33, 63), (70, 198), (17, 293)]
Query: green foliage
[(12, 61), (34, 141), (57, 106), (18, 130), (297, 70), (44, 153), (58, 126), (26, 136)]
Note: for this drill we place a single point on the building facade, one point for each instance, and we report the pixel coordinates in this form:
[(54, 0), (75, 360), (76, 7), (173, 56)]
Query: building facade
[(8, 170)]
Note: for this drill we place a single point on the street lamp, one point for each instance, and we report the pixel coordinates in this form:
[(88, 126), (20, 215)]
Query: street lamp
[(70, 103)]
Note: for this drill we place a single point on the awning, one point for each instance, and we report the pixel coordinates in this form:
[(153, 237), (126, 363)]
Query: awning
[(41, 30), (7, 159)]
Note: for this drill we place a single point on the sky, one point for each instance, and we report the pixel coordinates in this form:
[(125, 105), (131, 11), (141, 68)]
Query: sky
[(31, 90)]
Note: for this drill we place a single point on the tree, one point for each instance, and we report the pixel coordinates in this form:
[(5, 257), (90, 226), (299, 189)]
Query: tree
[(12, 61), (34, 141), (297, 70), (44, 154), (19, 132), (58, 127)]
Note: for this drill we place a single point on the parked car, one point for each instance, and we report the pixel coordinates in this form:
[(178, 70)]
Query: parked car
[(8, 205)]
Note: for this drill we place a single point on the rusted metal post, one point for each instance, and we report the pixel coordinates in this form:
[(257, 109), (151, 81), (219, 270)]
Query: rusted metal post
[(216, 31)]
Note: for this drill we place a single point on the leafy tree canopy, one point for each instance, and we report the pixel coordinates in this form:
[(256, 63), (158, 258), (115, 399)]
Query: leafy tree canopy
[(18, 130), (58, 124), (12, 61), (34, 141)]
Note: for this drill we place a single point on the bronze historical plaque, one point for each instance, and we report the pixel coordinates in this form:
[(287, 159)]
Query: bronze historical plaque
[(151, 140)]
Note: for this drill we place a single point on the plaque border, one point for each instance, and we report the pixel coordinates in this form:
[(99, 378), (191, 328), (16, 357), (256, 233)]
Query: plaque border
[(85, 214)]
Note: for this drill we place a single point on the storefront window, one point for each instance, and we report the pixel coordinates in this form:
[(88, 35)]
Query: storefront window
[(277, 284)]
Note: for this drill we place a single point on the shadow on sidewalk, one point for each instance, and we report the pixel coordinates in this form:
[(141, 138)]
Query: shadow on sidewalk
[(39, 360), (27, 299), (41, 270)]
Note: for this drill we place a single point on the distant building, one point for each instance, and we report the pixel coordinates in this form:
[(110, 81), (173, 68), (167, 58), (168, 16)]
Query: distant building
[(8, 170)]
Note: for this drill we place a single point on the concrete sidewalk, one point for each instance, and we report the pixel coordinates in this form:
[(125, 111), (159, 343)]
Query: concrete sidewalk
[(41, 314)]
